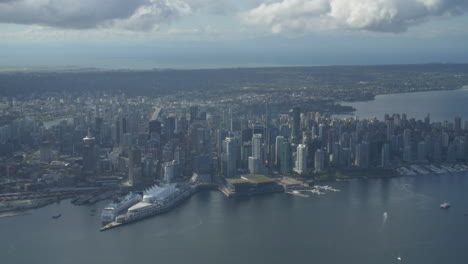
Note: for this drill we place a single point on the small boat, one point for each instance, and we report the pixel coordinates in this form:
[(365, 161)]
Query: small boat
[(445, 206), (56, 216), (398, 258)]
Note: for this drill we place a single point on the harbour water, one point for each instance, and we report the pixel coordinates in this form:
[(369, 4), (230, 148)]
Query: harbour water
[(339, 227), (441, 105)]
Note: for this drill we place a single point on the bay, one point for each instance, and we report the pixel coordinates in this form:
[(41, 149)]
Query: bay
[(441, 105), (339, 227)]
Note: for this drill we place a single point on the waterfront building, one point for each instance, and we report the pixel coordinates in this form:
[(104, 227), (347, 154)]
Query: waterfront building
[(169, 171), (279, 142), (422, 153), (301, 159), (385, 163), (362, 155), (319, 160), (285, 158), (256, 160), (231, 152), (407, 154)]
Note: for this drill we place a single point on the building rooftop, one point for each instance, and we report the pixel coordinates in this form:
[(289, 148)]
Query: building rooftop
[(252, 178)]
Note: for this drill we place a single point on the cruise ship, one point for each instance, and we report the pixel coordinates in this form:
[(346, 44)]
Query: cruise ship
[(156, 200), (112, 210)]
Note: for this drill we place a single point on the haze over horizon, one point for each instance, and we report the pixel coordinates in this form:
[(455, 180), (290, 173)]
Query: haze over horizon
[(147, 34)]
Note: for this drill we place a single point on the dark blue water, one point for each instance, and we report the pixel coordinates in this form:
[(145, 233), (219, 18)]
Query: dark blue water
[(341, 227), (441, 105)]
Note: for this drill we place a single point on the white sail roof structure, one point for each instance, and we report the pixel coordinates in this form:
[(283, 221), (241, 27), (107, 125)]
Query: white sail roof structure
[(155, 193)]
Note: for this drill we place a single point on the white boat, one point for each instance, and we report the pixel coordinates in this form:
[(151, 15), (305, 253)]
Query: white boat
[(445, 206), (112, 210)]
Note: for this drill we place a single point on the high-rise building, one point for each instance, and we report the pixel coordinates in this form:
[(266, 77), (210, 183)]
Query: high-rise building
[(319, 160), (89, 155), (362, 155), (296, 125), (257, 159), (231, 152), (285, 158), (169, 171), (385, 163), (422, 153), (278, 144), (457, 124), (407, 137), (390, 128), (301, 159)]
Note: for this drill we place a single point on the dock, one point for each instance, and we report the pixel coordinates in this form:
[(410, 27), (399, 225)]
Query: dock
[(109, 226)]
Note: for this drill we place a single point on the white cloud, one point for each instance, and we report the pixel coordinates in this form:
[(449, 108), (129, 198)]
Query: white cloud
[(371, 15), (140, 15)]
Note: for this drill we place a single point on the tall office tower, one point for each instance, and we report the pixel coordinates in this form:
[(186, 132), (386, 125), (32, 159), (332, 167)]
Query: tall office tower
[(460, 147), (321, 132), (335, 153), (296, 125), (301, 159), (135, 157), (45, 152), (154, 126), (457, 124), (407, 154), (362, 155), (285, 158), (231, 152), (169, 126), (445, 140), (319, 160), (422, 153), (89, 155), (193, 113), (124, 126), (390, 128), (169, 171), (451, 153), (427, 119), (257, 146), (407, 137), (278, 144), (147, 171), (118, 134), (256, 160), (385, 162), (437, 151), (284, 130)]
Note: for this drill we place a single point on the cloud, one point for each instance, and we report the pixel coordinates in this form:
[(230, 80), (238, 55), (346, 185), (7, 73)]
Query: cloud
[(370, 15), (87, 14)]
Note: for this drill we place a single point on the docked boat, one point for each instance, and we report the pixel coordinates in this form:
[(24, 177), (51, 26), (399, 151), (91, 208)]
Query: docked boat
[(112, 210), (56, 216), (156, 200), (445, 206)]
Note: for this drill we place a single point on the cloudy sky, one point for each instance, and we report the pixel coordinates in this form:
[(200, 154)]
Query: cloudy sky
[(230, 33)]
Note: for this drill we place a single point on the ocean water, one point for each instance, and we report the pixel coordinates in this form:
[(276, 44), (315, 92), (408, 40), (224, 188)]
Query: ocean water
[(349, 226), (441, 105)]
